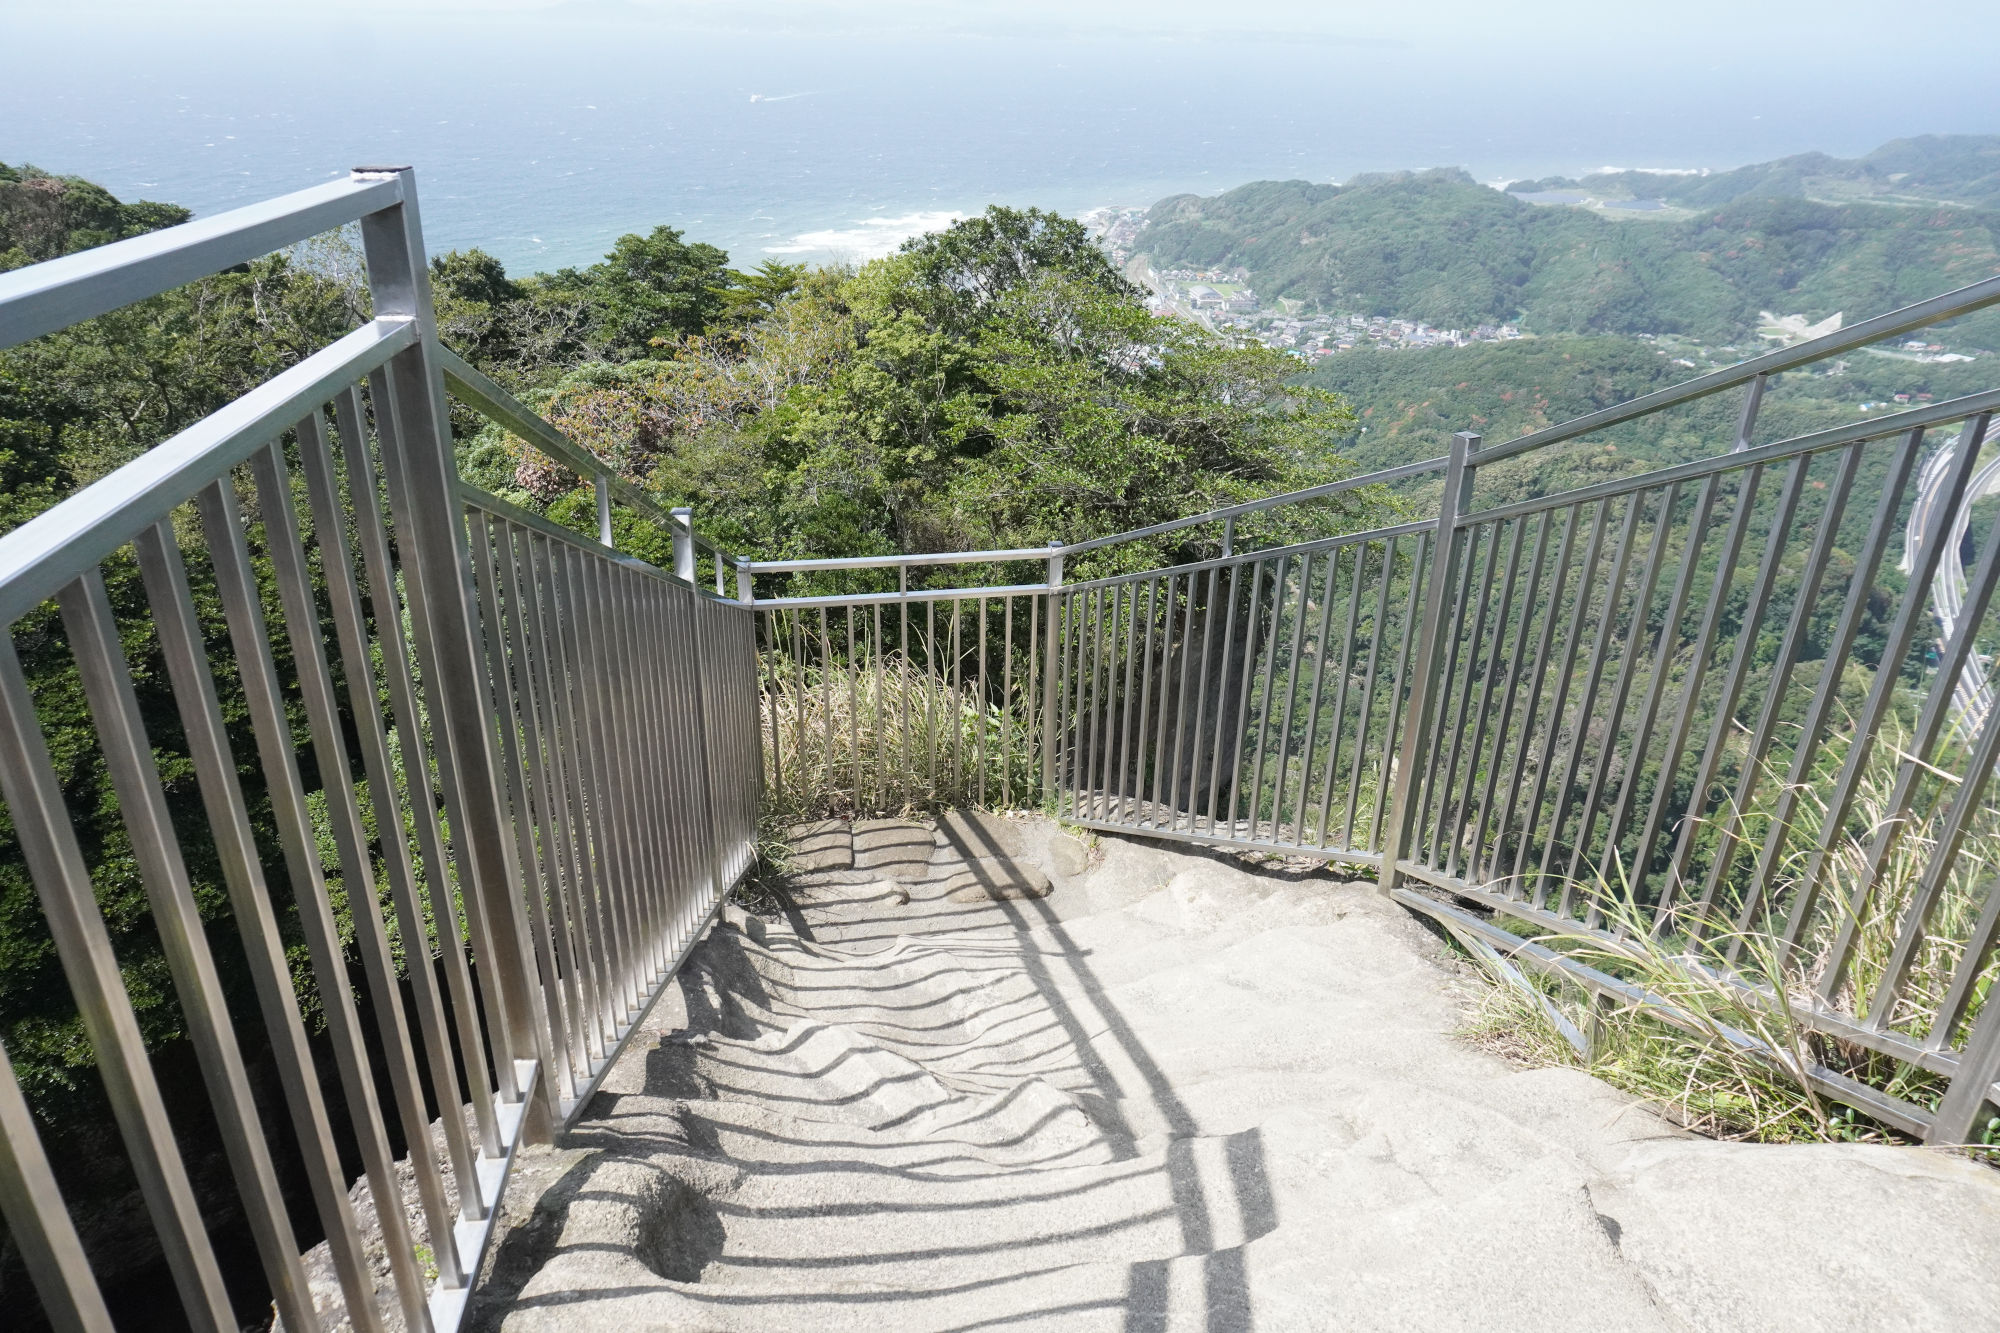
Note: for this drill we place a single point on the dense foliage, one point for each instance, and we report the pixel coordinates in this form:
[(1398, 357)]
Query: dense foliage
[(1410, 403), (995, 384)]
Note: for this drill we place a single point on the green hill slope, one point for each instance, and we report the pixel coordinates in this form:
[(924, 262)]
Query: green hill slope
[(1439, 247)]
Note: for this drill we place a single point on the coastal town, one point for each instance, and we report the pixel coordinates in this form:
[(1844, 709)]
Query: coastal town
[(1224, 301)]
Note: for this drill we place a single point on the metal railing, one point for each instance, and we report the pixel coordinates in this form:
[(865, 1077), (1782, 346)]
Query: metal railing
[(1659, 703), (496, 777), (504, 772)]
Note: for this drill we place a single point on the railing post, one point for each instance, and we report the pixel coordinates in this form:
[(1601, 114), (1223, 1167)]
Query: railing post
[(1049, 675), (684, 542), (602, 481), (743, 590), (1229, 536), (1447, 550), (1746, 423), (438, 564)]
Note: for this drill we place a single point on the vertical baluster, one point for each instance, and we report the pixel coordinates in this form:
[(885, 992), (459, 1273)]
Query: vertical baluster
[(1247, 680), (1474, 755), (980, 702), (1424, 845), (1593, 680), (1572, 636), (1537, 676), (1255, 803), (192, 677), (1741, 660), (1201, 684), (1776, 692), (1388, 777), (38, 1221), (1683, 717), (1444, 841), (1826, 693), (1480, 865), (1007, 702), (1291, 697), (1306, 752), (1163, 764), (1642, 605), (1366, 717)]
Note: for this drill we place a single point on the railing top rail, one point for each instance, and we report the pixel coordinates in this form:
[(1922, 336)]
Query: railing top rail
[(1901, 423), (548, 527), (53, 547), (45, 297), (1268, 502), (1950, 305), (897, 561), (914, 595), (1261, 553), (478, 389)]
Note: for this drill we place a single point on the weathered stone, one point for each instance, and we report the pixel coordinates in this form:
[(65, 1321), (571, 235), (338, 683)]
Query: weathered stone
[(824, 845), (1226, 1097), (1068, 855), (996, 879), (893, 848), (734, 916), (972, 834)]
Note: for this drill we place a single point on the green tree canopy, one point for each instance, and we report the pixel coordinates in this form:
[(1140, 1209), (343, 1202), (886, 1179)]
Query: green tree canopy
[(652, 289)]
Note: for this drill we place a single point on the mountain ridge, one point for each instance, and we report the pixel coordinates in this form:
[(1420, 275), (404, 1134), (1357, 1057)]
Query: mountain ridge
[(1438, 246)]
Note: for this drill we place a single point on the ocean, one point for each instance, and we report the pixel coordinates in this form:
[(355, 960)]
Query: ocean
[(541, 138)]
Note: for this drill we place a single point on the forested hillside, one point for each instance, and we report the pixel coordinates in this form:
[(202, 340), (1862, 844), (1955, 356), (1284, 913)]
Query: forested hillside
[(1436, 246), (1409, 404), (993, 385)]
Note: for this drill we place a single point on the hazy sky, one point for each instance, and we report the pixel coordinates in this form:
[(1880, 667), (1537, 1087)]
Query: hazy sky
[(1771, 30), (545, 127)]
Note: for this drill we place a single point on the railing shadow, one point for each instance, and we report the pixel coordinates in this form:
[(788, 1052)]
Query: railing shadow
[(1226, 1295)]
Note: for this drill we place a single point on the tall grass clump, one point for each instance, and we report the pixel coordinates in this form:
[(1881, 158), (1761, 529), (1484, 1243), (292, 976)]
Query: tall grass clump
[(1968, 880), (1726, 1052), (889, 737), (1719, 1059)]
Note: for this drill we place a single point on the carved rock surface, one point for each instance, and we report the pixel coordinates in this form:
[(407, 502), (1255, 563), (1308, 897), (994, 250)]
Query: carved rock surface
[(1169, 1090)]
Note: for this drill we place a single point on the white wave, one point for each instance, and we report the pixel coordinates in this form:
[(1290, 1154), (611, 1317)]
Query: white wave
[(868, 238)]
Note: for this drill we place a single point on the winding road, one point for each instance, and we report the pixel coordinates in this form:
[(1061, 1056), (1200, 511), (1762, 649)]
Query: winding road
[(1948, 592)]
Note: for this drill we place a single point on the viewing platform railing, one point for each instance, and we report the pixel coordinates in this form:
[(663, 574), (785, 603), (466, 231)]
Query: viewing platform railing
[(496, 777), (507, 770), (1701, 702)]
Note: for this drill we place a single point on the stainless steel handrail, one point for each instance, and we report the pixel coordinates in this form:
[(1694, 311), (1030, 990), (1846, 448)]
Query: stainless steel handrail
[(1817, 442), (1950, 305), (50, 549), (480, 391), (572, 698), (42, 298), (899, 561)]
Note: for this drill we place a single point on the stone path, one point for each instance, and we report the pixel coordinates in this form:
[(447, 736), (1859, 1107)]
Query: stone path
[(979, 1080)]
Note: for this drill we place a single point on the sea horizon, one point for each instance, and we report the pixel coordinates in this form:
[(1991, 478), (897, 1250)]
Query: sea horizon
[(542, 142)]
